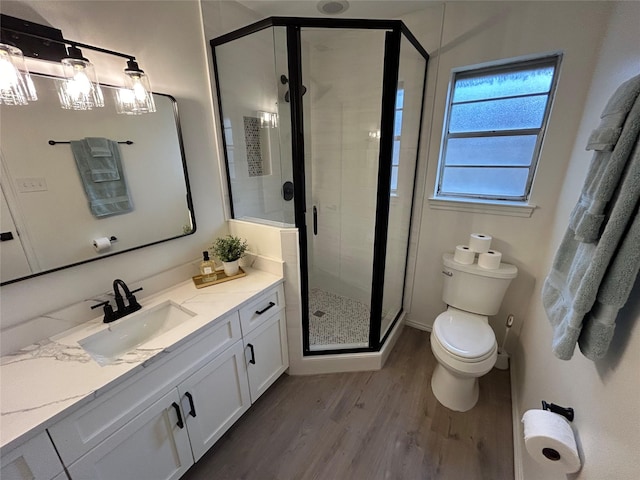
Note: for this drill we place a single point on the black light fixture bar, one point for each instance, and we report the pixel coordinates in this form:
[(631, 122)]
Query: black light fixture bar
[(43, 42)]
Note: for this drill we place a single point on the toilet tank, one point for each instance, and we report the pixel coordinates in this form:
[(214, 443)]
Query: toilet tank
[(475, 289)]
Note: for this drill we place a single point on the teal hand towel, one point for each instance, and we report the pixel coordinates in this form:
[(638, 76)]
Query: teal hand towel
[(102, 159), (107, 197)]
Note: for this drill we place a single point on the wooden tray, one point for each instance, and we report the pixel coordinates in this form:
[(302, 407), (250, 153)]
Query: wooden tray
[(222, 277)]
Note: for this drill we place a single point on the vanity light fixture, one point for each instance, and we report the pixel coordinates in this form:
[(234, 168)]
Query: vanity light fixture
[(268, 119), (16, 86), (79, 89), (136, 97)]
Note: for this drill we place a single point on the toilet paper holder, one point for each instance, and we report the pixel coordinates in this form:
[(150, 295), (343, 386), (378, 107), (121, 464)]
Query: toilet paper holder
[(566, 412)]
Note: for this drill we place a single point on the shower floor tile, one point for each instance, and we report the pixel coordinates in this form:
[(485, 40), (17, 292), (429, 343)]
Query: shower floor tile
[(337, 322)]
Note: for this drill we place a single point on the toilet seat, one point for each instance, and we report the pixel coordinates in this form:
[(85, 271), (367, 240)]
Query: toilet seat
[(465, 336)]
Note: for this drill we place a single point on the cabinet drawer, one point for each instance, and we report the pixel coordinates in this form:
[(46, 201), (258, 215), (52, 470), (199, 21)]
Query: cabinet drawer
[(90, 425), (259, 310)]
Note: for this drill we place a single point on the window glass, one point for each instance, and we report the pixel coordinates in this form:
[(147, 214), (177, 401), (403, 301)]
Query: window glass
[(493, 130), (397, 133)]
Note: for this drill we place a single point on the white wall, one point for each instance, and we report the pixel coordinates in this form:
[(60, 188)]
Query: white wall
[(167, 39), (605, 394), (478, 32)]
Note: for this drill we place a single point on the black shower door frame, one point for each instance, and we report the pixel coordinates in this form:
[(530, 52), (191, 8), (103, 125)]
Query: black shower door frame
[(395, 29)]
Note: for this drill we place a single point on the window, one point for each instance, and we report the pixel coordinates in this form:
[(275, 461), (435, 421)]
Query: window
[(495, 122), (397, 132)]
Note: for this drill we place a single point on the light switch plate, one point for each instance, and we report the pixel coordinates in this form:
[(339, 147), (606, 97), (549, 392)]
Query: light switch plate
[(31, 184)]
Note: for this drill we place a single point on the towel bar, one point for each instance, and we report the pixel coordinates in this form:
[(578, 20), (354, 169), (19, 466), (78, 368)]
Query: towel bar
[(56, 142)]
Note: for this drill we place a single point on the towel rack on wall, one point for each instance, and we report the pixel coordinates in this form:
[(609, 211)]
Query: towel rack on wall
[(56, 142)]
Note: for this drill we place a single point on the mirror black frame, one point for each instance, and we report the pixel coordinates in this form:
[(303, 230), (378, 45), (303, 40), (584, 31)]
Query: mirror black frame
[(189, 199)]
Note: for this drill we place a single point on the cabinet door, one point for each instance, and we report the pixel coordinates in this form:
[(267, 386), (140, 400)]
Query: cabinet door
[(154, 446), (266, 354), (35, 460), (214, 397)]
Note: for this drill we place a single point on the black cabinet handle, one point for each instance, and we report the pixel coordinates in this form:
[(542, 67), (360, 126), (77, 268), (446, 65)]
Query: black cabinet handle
[(253, 354), (260, 312), (180, 423), (191, 404), (6, 236), (315, 220)]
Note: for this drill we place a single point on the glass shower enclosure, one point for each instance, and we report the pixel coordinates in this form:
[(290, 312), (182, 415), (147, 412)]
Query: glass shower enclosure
[(321, 123)]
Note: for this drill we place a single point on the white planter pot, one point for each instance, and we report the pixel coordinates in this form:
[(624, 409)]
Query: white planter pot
[(230, 268)]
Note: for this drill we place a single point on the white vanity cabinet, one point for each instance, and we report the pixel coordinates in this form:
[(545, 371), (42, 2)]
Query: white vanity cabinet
[(162, 419), (264, 333), (154, 445), (34, 460), (213, 399), (266, 354)]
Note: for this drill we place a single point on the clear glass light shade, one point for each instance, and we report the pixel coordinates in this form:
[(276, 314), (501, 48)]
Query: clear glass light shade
[(136, 97), (16, 86), (268, 119), (80, 90)]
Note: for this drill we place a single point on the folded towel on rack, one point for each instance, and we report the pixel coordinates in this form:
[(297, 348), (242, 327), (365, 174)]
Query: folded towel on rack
[(101, 159), (106, 197)]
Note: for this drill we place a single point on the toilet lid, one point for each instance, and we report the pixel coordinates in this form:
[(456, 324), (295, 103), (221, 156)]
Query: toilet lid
[(463, 334)]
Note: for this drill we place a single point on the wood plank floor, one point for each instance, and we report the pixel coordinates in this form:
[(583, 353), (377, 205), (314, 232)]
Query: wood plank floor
[(368, 426)]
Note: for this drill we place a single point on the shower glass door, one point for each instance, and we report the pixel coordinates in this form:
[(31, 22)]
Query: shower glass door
[(256, 126), (342, 78)]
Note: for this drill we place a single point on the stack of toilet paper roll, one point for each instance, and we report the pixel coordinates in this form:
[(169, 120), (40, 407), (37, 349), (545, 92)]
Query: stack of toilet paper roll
[(480, 245)]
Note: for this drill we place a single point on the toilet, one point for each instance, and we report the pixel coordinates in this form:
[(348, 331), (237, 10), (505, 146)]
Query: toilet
[(462, 340)]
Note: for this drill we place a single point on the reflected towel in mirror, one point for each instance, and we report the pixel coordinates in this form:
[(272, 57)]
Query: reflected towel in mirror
[(106, 197)]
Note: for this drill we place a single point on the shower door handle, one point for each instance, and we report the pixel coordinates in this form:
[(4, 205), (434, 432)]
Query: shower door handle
[(315, 220)]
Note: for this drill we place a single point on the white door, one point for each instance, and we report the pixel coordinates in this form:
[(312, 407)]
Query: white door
[(12, 257), (214, 397), (266, 354), (152, 446)]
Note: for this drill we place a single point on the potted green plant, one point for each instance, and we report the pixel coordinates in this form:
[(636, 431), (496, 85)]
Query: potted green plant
[(229, 250)]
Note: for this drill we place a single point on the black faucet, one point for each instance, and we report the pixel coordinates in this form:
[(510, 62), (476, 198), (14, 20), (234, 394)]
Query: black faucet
[(121, 309)]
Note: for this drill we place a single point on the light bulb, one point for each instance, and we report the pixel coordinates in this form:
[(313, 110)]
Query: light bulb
[(80, 90), (136, 97), (16, 86)]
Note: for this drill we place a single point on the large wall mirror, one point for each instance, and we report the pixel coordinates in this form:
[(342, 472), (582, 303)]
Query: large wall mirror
[(48, 214)]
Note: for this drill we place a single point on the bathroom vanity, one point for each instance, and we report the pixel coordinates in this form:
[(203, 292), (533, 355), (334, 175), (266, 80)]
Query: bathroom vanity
[(152, 411)]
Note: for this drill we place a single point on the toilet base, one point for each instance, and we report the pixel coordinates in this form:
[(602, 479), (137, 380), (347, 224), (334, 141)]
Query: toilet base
[(454, 392)]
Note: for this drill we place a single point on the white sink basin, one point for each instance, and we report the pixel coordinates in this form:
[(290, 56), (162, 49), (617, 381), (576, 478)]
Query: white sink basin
[(126, 334)]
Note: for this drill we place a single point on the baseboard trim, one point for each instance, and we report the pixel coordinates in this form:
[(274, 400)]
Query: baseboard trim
[(346, 362), (419, 326), (518, 473)]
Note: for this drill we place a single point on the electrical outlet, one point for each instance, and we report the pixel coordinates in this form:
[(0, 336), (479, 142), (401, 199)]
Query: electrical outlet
[(31, 184)]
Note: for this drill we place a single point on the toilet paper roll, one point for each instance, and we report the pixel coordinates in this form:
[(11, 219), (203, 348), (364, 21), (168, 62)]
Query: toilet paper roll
[(101, 244), (549, 439), (490, 260), (480, 242), (464, 255)]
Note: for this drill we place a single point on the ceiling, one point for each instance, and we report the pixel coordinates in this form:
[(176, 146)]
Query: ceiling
[(357, 8)]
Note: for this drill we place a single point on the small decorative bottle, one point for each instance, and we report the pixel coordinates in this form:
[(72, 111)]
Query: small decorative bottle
[(207, 268)]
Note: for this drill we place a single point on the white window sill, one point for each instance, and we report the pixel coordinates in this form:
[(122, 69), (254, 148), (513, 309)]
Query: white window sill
[(513, 209)]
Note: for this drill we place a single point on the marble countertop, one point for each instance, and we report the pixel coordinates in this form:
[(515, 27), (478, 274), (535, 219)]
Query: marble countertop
[(43, 383)]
